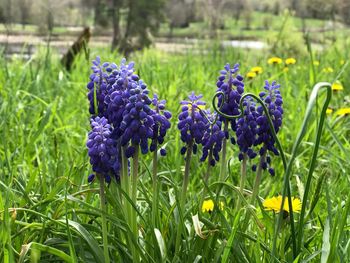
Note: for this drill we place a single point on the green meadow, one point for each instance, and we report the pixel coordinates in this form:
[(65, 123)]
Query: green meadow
[(50, 213)]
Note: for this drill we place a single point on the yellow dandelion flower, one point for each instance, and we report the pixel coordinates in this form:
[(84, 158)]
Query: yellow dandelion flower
[(328, 70), (329, 111), (257, 70), (290, 61), (337, 86), (208, 206), (343, 112), (274, 204), (285, 69), (251, 75), (274, 60), (316, 63)]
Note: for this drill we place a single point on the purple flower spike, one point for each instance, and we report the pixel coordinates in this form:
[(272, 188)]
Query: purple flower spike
[(273, 101), (246, 131), (231, 84), (192, 124), (101, 148), (212, 140), (161, 123)]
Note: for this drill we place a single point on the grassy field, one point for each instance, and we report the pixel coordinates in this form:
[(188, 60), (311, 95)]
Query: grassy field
[(50, 213)]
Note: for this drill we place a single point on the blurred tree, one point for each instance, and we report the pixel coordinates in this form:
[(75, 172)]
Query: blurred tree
[(213, 10), (343, 8), (8, 12), (101, 13), (25, 12), (319, 8), (180, 12), (143, 20), (116, 4)]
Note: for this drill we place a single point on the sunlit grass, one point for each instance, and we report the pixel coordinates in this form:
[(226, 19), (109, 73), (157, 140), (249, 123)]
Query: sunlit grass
[(49, 211)]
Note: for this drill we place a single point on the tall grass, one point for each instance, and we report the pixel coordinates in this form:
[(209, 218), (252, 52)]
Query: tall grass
[(50, 213)]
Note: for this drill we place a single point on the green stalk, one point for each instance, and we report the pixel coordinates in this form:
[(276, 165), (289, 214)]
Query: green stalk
[(258, 179), (206, 177), (155, 187), (183, 193), (125, 184), (243, 178), (223, 162), (134, 199), (311, 170), (223, 156), (103, 217)]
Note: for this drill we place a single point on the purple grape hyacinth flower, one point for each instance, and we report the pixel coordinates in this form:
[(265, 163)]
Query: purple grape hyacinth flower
[(246, 130), (137, 123), (161, 123), (231, 84), (97, 85), (273, 101), (212, 140), (102, 149), (192, 123)]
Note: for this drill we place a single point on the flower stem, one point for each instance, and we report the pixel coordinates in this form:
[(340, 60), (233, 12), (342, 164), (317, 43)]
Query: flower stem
[(255, 192), (135, 168), (183, 193), (223, 160), (155, 188), (103, 217), (258, 179), (243, 178), (206, 177)]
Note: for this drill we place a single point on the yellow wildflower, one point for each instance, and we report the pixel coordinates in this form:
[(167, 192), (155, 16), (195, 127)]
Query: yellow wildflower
[(274, 204), (337, 86), (328, 70), (329, 111), (251, 75), (290, 61), (274, 60), (257, 70), (208, 206), (316, 63), (343, 112)]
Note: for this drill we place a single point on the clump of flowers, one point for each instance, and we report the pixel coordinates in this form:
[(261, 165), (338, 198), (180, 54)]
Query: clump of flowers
[(118, 96)]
